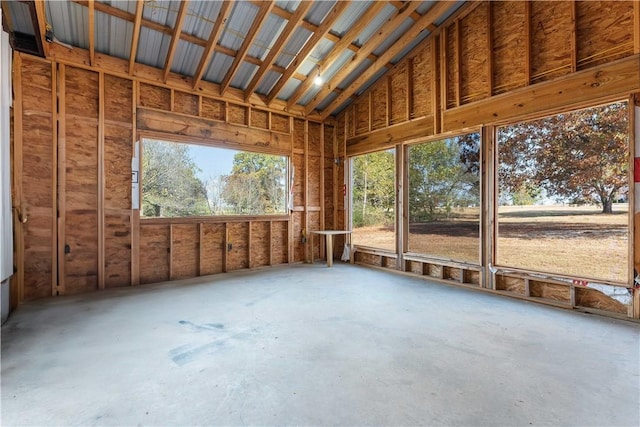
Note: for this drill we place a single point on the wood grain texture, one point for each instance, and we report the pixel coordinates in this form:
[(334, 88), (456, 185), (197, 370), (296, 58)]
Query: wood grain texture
[(592, 298), (260, 244), (551, 32), (279, 242), (238, 256), (474, 55), (259, 119), (118, 99), (211, 248), (213, 109), (237, 114), (511, 284), (118, 142), (510, 48), (154, 250), (185, 247), (117, 250), (422, 75), (81, 92), (185, 103), (155, 97), (550, 291), (399, 94), (280, 123)]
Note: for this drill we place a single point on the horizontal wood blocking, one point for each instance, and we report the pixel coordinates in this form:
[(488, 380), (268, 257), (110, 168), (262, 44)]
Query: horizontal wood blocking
[(223, 134), (610, 81), (388, 137)]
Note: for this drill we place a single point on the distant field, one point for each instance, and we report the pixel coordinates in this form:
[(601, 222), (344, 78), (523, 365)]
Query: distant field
[(576, 241)]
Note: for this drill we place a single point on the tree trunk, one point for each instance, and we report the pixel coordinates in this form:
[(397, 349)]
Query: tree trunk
[(607, 205)]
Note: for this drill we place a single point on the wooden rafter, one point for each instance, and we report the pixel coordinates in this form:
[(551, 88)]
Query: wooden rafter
[(175, 38), (41, 26), (92, 33), (323, 29), (338, 49), (428, 18), (136, 36), (387, 28), (263, 13), (223, 15), (284, 37)]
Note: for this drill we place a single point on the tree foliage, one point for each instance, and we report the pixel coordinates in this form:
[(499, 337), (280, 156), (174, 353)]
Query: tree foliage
[(170, 186), (373, 192), (257, 184), (443, 175), (580, 156)]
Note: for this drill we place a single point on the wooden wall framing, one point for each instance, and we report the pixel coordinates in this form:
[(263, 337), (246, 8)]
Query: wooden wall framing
[(489, 64), (75, 129)]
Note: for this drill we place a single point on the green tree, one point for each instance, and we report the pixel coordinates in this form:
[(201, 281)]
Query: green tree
[(257, 184), (442, 175), (170, 187), (576, 156), (373, 192)]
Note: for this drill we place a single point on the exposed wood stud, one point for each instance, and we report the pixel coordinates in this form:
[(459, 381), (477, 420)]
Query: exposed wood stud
[(100, 183), (528, 38), (18, 169), (636, 27), (175, 38), (62, 177), (249, 244), (409, 104), (170, 250), (574, 38), (489, 50), (458, 53), (54, 179), (270, 242), (135, 36), (41, 16), (435, 81), (225, 248)]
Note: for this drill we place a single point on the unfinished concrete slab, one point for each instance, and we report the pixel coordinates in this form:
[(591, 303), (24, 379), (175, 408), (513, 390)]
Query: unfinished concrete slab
[(313, 345)]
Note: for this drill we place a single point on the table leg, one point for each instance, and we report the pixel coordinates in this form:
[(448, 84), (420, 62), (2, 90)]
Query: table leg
[(329, 250)]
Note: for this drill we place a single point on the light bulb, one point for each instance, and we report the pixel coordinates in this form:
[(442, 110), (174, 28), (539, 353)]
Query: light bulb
[(317, 80)]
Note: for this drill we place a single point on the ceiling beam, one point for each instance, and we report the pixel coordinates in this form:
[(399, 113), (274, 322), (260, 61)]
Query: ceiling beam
[(92, 33), (303, 54), (265, 8), (370, 45), (284, 37), (429, 18), (136, 36), (175, 38), (338, 49), (221, 21)]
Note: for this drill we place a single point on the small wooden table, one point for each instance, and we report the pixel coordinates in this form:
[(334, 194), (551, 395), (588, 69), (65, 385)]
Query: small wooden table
[(329, 243)]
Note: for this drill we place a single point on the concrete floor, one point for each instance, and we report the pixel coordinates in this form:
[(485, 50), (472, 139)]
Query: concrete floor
[(314, 346)]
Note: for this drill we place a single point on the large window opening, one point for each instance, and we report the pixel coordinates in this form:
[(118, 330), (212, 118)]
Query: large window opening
[(183, 180), (373, 200), (563, 194), (444, 198)]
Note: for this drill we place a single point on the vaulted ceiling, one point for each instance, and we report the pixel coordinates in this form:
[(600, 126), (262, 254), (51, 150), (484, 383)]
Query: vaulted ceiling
[(306, 57)]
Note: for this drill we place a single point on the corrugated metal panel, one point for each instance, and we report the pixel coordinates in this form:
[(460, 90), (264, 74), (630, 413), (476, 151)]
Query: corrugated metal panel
[(376, 23), (423, 35), (355, 74), (295, 44), (269, 80), (323, 47), (218, 67), (187, 58), (238, 25), (70, 22), (328, 100), (308, 96), (20, 17), (381, 72), (244, 75), (113, 35), (450, 12), (394, 36), (288, 5), (342, 106), (289, 88), (153, 47), (319, 11), (127, 6), (425, 6), (163, 12), (201, 16), (267, 36), (327, 74), (350, 16)]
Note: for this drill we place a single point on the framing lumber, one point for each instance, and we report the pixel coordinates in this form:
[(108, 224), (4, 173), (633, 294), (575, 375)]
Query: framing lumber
[(275, 50), (370, 45), (135, 37), (92, 33), (223, 15), (101, 184), (41, 27), (419, 26), (322, 30), (265, 8), (62, 178), (175, 38), (636, 27), (338, 49)]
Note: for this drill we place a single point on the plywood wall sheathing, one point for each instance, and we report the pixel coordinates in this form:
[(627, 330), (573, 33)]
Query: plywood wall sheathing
[(422, 76), (605, 31), (117, 250), (213, 109), (212, 247), (592, 298), (550, 291), (510, 45), (259, 119), (379, 106), (279, 242), (551, 40), (154, 248), (237, 114), (452, 65), (155, 97), (260, 244), (511, 284), (473, 55), (399, 94), (238, 256), (280, 123), (329, 164), (185, 103), (361, 112), (185, 246)]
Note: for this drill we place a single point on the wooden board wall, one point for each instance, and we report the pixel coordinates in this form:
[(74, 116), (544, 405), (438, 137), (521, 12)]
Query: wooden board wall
[(84, 167)]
